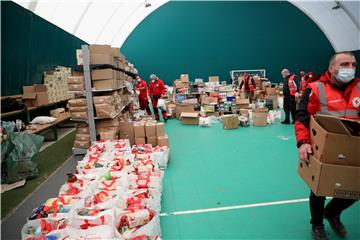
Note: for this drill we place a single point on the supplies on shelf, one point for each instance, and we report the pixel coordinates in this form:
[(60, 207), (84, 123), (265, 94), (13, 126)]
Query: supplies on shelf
[(56, 83), (114, 194)]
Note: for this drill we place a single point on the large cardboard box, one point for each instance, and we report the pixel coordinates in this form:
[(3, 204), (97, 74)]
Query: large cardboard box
[(35, 95), (102, 74), (260, 116), (101, 59), (152, 140), (76, 87), (127, 131), (160, 129), (183, 108), (82, 137), (150, 129), (100, 49), (105, 84), (242, 103), (335, 141), (81, 144), (184, 78), (103, 123), (75, 80), (209, 100), (139, 129), (163, 141), (108, 134), (230, 122), (190, 118), (214, 79), (330, 179), (140, 140), (105, 110), (215, 114)]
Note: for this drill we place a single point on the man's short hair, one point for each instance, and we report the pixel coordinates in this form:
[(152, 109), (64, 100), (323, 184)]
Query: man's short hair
[(332, 59)]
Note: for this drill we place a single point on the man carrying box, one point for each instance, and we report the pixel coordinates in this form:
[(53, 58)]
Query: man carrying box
[(336, 93), (141, 89), (156, 91)]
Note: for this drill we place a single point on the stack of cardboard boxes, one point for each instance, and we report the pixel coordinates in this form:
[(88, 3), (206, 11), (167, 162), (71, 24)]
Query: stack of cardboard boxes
[(76, 83), (78, 108), (150, 132), (334, 168)]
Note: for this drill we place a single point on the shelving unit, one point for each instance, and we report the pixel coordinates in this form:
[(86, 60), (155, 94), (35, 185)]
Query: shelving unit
[(90, 92)]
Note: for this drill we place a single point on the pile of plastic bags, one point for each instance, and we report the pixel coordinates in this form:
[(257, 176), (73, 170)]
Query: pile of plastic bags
[(114, 194)]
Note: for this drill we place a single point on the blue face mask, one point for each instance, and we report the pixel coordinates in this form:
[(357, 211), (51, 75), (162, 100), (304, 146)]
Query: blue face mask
[(345, 75)]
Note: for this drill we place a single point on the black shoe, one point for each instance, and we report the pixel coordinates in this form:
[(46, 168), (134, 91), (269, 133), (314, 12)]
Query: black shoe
[(319, 233), (165, 120), (336, 225), (292, 122), (285, 122)]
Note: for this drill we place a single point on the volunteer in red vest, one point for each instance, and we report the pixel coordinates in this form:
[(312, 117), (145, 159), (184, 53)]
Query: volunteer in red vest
[(141, 89), (291, 83), (335, 93), (249, 86), (156, 91)]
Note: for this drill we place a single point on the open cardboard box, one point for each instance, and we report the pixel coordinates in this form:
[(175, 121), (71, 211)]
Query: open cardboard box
[(331, 180), (183, 107), (260, 117), (335, 140), (35, 95), (190, 118)]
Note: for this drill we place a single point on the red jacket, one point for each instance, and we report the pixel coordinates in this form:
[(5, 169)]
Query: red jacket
[(323, 97), (157, 88), (142, 87)]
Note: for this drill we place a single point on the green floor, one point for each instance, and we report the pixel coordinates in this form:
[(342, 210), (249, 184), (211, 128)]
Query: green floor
[(212, 168)]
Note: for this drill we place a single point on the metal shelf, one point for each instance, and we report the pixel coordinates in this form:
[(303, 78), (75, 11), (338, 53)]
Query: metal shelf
[(102, 66), (112, 117), (78, 120), (98, 91)]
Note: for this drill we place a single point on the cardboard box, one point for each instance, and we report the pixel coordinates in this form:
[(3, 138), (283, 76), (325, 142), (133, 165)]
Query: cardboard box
[(105, 84), (209, 100), (242, 103), (189, 118), (139, 129), (103, 123), (270, 91), (230, 122), (244, 112), (116, 53), (83, 130), (208, 108), (35, 95), (102, 74), (75, 80), (260, 117), (105, 110), (100, 49), (57, 112), (330, 179), (79, 115), (163, 141), (274, 99), (108, 134), (104, 99), (127, 131), (334, 140), (215, 114), (82, 137), (101, 59), (152, 140), (214, 79), (76, 87), (150, 129), (79, 57), (78, 109), (160, 129), (183, 108), (184, 78), (77, 102), (140, 140), (81, 144)]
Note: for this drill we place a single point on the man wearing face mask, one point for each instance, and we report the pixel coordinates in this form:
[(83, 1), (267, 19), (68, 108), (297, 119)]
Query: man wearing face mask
[(291, 87), (141, 89), (156, 91), (335, 93)]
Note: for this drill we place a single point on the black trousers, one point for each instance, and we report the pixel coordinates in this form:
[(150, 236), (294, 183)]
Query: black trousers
[(289, 107), (333, 208)]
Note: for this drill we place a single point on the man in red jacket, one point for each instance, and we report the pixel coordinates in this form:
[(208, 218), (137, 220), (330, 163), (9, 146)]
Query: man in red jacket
[(249, 86), (156, 91), (141, 88), (336, 93)]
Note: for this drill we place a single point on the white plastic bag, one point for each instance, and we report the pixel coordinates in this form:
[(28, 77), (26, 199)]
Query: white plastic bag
[(43, 120), (204, 122), (161, 104)]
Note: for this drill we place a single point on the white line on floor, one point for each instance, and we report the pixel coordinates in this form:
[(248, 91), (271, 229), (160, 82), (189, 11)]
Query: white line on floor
[(234, 207)]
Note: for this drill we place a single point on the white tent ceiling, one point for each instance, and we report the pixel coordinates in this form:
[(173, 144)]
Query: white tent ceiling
[(112, 21)]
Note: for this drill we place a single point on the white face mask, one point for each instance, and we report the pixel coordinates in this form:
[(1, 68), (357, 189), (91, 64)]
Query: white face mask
[(153, 80), (345, 75)]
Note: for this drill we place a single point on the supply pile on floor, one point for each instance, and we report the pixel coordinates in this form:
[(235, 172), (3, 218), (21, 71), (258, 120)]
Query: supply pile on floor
[(194, 102), (115, 194)]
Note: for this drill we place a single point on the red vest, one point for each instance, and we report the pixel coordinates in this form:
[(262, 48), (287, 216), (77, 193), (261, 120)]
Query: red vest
[(303, 85), (292, 85), (337, 103), (249, 83)]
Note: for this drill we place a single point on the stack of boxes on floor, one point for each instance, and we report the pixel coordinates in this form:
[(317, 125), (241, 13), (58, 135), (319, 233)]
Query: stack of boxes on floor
[(334, 167), (150, 132), (114, 194)]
